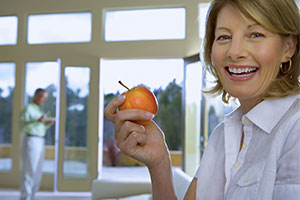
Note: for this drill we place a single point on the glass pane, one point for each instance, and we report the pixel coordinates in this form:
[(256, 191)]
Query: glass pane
[(44, 75), (7, 85), (192, 131), (164, 78), (203, 9), (146, 24), (215, 108), (75, 153), (59, 28), (8, 30)]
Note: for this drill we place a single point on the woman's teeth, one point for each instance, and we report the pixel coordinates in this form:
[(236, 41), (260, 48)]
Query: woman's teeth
[(241, 71)]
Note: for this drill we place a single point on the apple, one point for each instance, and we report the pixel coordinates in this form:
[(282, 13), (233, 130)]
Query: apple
[(139, 97)]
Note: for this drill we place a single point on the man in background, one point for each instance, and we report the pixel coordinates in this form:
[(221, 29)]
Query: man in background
[(33, 124)]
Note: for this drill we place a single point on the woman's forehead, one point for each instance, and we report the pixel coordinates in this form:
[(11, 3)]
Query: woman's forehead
[(229, 14)]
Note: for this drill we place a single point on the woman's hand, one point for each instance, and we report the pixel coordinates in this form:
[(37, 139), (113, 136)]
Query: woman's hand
[(144, 143)]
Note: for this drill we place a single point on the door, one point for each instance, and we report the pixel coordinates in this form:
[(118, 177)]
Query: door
[(78, 125), (45, 74), (193, 110)]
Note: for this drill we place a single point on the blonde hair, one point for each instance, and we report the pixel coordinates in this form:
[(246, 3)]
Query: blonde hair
[(277, 16)]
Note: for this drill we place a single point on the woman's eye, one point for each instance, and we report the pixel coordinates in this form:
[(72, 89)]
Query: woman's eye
[(256, 35), (223, 37)]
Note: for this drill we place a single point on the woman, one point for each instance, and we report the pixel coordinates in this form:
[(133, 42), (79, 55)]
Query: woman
[(252, 48)]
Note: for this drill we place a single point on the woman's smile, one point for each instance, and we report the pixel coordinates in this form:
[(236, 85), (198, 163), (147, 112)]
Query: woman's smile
[(246, 57), (241, 72)]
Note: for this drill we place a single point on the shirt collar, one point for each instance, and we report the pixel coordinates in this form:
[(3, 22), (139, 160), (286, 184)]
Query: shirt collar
[(35, 105), (235, 115), (268, 113)]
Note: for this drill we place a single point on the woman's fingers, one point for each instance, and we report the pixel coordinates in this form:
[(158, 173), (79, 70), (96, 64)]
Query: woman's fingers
[(134, 141), (127, 115), (131, 137), (131, 115), (126, 129), (112, 107)]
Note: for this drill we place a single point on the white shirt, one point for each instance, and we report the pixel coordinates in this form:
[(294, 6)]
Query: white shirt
[(268, 165)]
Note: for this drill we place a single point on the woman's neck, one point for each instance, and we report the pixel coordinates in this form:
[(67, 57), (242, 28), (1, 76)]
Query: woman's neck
[(248, 104)]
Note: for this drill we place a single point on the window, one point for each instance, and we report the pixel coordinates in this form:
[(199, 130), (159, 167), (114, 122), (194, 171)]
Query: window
[(44, 75), (203, 9), (215, 108), (164, 78), (75, 152), (193, 116), (8, 30), (145, 24), (7, 84), (59, 28)]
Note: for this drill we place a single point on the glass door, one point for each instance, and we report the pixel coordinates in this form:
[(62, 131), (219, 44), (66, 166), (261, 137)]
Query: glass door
[(193, 109), (71, 144), (7, 85), (78, 136), (45, 74), (164, 78)]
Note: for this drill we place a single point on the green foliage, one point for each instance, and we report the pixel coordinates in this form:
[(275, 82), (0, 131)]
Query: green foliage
[(6, 116), (49, 107), (168, 117), (76, 124), (108, 131), (169, 114)]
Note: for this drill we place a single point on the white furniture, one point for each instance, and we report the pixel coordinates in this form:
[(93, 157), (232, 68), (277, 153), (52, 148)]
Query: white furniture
[(119, 182), (104, 189), (132, 181), (181, 182)]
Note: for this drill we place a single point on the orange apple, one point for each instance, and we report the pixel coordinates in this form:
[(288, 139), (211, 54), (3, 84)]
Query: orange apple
[(139, 97)]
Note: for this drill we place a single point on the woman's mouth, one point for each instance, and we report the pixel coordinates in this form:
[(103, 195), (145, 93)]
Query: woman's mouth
[(241, 73)]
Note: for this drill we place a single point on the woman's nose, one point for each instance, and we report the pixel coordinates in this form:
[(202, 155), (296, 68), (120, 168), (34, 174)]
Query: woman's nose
[(237, 49)]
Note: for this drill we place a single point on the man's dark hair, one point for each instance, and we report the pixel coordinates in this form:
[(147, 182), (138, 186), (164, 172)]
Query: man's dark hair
[(39, 91)]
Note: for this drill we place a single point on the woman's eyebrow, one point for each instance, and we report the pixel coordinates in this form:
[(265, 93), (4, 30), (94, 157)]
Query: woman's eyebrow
[(252, 25), (222, 28)]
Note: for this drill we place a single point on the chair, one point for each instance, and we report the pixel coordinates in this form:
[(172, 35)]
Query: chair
[(119, 188), (181, 182), (107, 189)]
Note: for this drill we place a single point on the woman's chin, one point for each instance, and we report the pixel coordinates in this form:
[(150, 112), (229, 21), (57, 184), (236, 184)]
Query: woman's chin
[(243, 95)]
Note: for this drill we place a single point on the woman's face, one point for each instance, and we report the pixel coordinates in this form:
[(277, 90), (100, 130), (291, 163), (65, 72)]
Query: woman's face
[(246, 56)]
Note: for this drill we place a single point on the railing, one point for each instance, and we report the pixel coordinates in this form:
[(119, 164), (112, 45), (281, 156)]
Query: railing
[(80, 153)]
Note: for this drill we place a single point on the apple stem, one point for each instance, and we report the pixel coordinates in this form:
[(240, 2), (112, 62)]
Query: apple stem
[(124, 85)]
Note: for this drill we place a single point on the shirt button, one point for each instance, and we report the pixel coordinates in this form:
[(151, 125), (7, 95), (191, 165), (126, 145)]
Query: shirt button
[(244, 146), (247, 121), (236, 165)]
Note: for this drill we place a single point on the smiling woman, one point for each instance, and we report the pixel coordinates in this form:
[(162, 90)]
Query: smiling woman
[(259, 37), (252, 49), (247, 58), (256, 62)]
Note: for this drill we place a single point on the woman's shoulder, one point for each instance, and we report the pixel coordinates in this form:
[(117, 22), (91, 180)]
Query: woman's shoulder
[(292, 116), (217, 135)]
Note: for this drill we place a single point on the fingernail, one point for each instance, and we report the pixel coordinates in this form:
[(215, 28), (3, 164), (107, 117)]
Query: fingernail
[(149, 115), (121, 98)]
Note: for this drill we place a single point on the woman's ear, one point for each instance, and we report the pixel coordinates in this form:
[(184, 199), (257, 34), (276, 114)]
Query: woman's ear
[(291, 43)]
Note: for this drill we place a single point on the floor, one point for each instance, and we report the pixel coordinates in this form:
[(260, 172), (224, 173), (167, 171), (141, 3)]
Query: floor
[(14, 195), (120, 173)]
